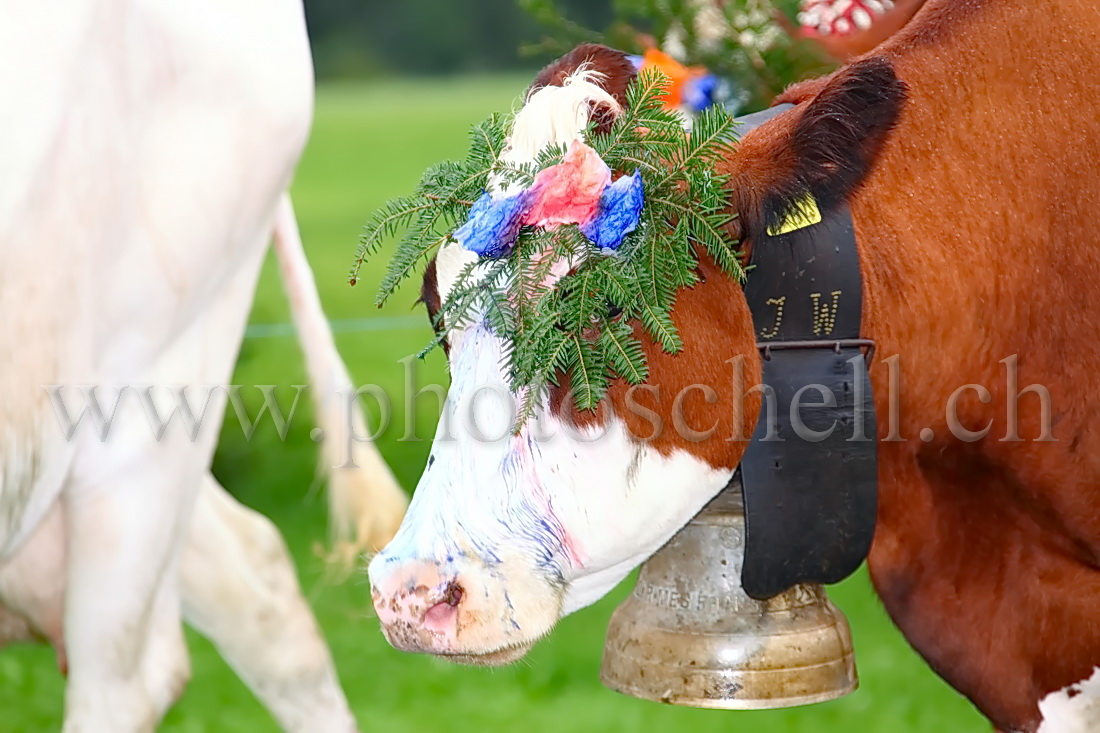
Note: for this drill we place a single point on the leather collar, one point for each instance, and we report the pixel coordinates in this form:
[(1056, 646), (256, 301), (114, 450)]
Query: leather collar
[(810, 499)]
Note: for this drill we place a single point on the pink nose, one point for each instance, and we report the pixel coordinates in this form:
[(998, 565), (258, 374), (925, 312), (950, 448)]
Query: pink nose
[(463, 608), (419, 609)]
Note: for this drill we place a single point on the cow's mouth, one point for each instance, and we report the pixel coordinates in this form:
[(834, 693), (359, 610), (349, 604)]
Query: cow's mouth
[(497, 658), (858, 25)]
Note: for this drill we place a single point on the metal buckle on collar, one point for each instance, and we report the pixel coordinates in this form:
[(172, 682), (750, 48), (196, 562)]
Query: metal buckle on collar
[(867, 346)]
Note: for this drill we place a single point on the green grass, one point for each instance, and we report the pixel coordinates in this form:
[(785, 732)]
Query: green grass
[(369, 143)]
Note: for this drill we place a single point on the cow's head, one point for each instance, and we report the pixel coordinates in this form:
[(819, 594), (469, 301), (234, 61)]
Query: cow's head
[(507, 532), (846, 28)]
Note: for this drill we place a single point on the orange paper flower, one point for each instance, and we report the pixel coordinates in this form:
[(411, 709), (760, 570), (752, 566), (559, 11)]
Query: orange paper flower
[(679, 76)]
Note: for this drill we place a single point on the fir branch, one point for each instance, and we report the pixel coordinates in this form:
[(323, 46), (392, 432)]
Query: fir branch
[(708, 230), (434, 197), (624, 353), (658, 323), (384, 223), (437, 340), (419, 244), (588, 378)]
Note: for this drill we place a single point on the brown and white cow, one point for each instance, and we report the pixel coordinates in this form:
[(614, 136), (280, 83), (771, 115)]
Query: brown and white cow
[(966, 148)]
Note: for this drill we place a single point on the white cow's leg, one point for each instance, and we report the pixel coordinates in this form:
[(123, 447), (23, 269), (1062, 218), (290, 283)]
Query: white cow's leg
[(125, 528), (240, 590), (32, 585), (166, 664), (32, 592)]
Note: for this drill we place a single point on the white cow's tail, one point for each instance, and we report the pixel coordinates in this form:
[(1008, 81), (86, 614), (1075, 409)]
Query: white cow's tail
[(366, 504)]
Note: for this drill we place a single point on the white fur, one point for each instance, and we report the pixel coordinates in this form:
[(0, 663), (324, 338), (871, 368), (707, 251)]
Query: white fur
[(554, 115), (452, 259), (146, 146), (240, 589), (1075, 709)]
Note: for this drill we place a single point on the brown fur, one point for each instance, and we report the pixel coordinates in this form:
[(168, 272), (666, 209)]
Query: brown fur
[(976, 233), (616, 68), (429, 296), (977, 240)]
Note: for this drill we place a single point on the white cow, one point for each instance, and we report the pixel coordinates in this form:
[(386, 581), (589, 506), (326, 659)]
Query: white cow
[(146, 147)]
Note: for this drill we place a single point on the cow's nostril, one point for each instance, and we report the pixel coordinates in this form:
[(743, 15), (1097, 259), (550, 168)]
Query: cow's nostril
[(452, 594), (442, 617)]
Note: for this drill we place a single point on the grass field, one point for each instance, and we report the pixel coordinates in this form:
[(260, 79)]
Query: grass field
[(369, 143)]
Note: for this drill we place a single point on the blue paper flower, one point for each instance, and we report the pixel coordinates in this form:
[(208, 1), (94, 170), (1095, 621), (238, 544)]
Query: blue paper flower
[(698, 93), (493, 225), (619, 211)]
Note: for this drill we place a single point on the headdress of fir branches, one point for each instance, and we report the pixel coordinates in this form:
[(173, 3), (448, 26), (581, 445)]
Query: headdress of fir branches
[(580, 325)]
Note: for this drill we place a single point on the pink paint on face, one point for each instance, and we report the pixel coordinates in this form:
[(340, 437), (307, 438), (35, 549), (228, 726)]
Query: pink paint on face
[(525, 458)]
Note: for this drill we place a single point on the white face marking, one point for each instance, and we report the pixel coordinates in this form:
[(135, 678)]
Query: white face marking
[(583, 506), (1074, 709), (577, 508)]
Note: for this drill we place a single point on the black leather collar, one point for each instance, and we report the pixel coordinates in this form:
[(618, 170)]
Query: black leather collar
[(810, 505)]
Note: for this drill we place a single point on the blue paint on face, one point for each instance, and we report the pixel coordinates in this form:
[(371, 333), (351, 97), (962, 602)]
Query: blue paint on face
[(526, 520), (539, 537), (509, 464), (486, 553), (519, 524)]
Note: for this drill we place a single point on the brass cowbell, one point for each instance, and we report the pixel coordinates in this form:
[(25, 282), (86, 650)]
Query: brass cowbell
[(689, 635)]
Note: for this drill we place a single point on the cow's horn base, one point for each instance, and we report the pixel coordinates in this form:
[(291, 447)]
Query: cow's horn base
[(689, 635)]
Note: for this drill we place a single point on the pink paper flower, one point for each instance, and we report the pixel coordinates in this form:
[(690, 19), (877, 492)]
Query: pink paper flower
[(569, 192)]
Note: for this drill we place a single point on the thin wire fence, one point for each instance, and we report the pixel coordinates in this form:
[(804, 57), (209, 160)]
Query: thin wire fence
[(340, 325)]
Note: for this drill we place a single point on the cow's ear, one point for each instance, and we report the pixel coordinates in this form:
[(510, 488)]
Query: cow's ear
[(824, 147), (615, 69)]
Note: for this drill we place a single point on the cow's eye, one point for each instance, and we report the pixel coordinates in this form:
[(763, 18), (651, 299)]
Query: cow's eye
[(613, 311)]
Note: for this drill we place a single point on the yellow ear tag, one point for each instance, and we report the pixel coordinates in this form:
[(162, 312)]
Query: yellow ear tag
[(805, 214)]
